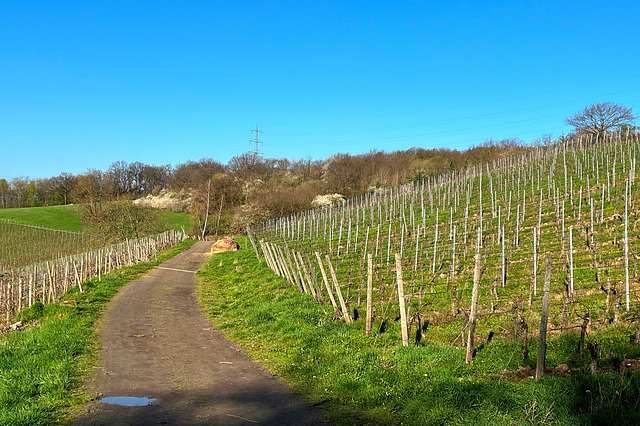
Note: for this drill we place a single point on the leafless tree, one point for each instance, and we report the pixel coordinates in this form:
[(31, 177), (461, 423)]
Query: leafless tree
[(119, 178), (600, 118), (19, 190), (119, 220), (90, 187), (63, 186), (249, 166), (346, 174), (5, 193), (194, 173), (44, 191)]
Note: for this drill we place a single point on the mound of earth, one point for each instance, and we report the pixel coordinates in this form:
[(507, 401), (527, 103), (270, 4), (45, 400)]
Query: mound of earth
[(224, 244)]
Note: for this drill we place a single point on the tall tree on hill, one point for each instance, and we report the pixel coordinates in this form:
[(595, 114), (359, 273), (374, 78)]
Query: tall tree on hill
[(90, 187), (212, 201), (121, 178), (249, 166), (195, 173), (43, 191), (19, 189), (600, 118), (31, 193), (346, 174), (5, 193), (155, 178), (63, 185)]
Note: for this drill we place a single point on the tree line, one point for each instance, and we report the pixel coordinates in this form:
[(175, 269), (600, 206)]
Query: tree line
[(247, 178), (250, 188)]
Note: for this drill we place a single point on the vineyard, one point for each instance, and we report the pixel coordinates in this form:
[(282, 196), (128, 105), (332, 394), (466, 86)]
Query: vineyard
[(40, 264), (22, 245), (413, 253)]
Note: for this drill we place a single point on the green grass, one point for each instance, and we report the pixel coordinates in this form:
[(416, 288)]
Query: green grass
[(177, 221), (42, 367), (374, 380), (23, 245), (59, 217), (68, 217)]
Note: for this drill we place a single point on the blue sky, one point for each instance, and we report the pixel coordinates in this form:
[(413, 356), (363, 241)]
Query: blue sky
[(84, 84)]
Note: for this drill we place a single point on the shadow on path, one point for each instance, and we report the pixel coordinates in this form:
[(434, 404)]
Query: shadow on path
[(156, 343)]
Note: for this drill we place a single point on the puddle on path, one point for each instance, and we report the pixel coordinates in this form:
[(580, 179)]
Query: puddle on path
[(127, 401)]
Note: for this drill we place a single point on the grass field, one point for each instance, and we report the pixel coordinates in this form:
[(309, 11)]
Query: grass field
[(43, 366), (374, 380), (67, 217), (43, 239), (177, 221)]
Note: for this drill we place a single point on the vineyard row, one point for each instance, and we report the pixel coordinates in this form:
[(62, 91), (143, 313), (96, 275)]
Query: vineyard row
[(46, 281)]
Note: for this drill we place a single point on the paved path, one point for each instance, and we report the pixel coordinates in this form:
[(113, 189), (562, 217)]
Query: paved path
[(156, 343)]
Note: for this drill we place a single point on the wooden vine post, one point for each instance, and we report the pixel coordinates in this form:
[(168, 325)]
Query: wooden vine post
[(474, 308), (253, 243), (369, 294), (343, 305), (544, 318), (571, 261), (326, 285), (401, 301), (47, 280), (303, 285), (626, 243)]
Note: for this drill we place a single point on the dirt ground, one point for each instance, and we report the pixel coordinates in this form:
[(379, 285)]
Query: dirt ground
[(156, 343)]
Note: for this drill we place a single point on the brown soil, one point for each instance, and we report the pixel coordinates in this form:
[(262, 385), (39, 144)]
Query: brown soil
[(156, 343), (525, 372), (562, 370)]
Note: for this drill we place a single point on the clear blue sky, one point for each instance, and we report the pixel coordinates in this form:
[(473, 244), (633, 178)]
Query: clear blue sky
[(87, 83)]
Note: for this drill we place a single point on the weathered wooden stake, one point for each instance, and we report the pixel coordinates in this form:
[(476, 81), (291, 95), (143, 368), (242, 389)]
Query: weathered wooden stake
[(326, 285), (369, 294), (474, 308), (310, 285), (303, 285), (626, 243), (571, 261), (343, 305), (401, 301), (544, 318), (535, 263)]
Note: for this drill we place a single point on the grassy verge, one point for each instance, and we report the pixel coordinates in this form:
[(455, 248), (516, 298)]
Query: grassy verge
[(373, 380), (42, 367)]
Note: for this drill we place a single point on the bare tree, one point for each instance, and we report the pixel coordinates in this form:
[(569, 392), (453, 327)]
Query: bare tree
[(63, 186), (19, 189), (249, 166), (119, 220), (599, 118), (44, 191), (120, 181), (5, 193), (90, 187), (193, 174), (346, 174)]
